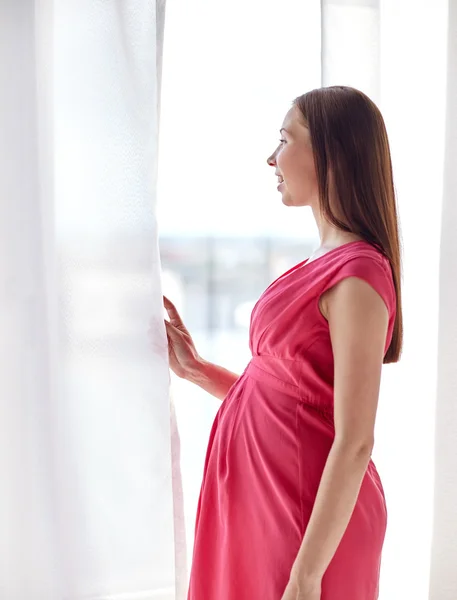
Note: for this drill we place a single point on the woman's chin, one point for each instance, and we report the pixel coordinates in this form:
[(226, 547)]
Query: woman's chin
[(286, 199)]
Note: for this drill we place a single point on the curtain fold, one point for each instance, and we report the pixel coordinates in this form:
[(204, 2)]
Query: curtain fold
[(443, 584), (29, 560), (88, 510), (351, 44)]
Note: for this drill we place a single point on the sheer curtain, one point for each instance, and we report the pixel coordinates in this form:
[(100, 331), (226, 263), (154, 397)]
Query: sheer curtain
[(444, 549), (86, 509)]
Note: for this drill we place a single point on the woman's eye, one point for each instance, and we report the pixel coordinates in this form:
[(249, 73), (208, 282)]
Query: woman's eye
[(282, 141)]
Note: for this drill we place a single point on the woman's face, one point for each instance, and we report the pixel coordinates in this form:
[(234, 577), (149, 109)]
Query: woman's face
[(294, 162)]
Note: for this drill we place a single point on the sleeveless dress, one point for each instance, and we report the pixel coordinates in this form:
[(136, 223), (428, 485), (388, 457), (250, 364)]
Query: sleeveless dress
[(269, 443)]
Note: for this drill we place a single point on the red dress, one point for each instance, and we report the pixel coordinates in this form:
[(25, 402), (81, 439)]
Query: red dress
[(269, 443)]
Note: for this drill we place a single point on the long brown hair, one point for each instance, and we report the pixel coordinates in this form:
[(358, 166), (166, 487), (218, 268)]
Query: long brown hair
[(351, 150)]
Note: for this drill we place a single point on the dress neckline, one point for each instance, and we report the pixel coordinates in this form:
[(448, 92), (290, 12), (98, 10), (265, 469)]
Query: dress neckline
[(305, 262), (308, 262)]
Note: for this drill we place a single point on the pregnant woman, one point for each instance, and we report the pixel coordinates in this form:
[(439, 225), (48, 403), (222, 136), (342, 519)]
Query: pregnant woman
[(291, 505)]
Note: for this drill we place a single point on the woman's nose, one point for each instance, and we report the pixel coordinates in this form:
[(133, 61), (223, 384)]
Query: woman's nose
[(271, 160)]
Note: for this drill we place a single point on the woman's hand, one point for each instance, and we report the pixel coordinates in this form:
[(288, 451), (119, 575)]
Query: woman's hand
[(300, 589), (182, 354)]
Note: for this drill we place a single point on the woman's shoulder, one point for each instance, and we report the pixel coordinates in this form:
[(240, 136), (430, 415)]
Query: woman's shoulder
[(365, 261), (359, 252), (369, 255)]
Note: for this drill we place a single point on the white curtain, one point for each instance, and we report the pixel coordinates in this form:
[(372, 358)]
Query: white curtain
[(87, 508), (444, 548)]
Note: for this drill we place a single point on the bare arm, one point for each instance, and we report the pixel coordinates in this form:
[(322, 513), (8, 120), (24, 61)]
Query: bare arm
[(358, 322), (212, 378)]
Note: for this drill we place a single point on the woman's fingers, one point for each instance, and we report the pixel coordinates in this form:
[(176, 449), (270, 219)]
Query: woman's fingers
[(175, 319), (172, 330)]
